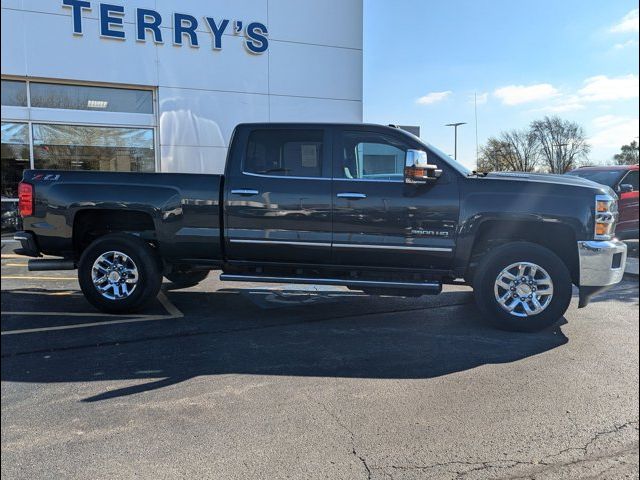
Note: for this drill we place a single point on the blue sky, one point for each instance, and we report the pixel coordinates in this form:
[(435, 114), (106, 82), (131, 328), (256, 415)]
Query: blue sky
[(425, 59)]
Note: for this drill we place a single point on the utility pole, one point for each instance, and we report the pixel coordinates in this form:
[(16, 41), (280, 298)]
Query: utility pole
[(455, 129)]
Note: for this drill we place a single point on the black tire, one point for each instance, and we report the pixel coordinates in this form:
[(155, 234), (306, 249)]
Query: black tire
[(503, 256), (187, 278), (145, 260)]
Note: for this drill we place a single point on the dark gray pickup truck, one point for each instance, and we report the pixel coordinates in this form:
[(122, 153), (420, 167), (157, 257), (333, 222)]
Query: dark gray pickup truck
[(368, 207)]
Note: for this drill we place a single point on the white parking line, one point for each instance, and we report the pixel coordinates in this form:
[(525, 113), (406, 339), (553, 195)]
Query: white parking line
[(172, 310), (50, 293), (33, 277)]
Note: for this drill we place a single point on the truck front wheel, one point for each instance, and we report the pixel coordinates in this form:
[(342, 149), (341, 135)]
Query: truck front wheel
[(522, 286), (119, 273)]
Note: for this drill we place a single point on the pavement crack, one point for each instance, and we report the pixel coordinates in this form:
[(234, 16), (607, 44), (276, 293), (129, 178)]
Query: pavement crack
[(462, 469), (352, 437), (595, 437), (461, 472)]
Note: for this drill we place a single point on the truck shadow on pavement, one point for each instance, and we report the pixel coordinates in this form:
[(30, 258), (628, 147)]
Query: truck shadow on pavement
[(223, 332), (626, 292)]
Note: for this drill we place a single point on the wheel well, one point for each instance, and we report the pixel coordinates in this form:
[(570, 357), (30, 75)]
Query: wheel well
[(89, 225), (558, 238)]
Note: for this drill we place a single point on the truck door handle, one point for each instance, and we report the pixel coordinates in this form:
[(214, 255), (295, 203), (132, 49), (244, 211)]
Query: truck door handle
[(351, 195), (244, 191)]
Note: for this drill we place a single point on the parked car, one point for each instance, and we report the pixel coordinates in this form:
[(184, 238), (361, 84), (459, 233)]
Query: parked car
[(623, 179), (369, 207)]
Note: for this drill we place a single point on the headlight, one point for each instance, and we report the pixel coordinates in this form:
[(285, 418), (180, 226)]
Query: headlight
[(606, 216)]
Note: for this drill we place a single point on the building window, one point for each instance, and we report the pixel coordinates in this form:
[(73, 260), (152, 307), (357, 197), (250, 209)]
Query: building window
[(82, 97), (14, 93), (113, 149), (15, 158)]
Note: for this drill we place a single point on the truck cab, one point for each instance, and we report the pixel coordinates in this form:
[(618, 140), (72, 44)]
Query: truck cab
[(331, 195)]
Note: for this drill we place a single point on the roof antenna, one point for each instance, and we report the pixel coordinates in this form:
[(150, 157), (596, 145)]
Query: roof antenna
[(475, 103)]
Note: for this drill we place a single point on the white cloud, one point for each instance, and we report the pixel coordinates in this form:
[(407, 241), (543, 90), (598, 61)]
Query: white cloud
[(628, 24), (563, 106), (433, 97), (627, 44), (518, 94), (613, 131), (603, 88)]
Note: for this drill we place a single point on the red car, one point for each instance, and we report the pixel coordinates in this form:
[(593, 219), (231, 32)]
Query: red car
[(624, 180)]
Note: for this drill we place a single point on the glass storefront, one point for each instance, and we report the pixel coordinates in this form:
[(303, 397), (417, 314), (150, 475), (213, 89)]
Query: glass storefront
[(113, 149), (57, 145), (15, 158)]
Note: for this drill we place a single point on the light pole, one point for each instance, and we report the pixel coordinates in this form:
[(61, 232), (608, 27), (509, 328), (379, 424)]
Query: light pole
[(455, 129)]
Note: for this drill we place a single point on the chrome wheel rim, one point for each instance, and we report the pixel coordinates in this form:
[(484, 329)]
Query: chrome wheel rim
[(523, 289), (114, 275)]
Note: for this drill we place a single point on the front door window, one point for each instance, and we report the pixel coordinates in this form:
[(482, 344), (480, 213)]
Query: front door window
[(370, 157)]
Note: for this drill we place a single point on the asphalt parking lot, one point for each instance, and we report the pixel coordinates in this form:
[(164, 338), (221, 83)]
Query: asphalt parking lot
[(266, 381)]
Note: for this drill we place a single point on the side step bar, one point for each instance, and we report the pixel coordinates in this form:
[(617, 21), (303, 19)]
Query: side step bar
[(50, 264), (428, 287)]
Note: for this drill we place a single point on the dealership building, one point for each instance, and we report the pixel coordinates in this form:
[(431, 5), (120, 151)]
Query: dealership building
[(159, 85)]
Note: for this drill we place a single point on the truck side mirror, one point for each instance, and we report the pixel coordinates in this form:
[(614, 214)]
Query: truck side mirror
[(417, 170), (625, 188)]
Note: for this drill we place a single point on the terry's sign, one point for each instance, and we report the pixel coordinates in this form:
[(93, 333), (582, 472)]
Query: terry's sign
[(183, 26)]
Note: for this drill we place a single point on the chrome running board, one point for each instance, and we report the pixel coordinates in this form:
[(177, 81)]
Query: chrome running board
[(427, 287)]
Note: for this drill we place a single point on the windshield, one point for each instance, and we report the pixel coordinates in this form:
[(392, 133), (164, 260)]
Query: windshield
[(609, 178)]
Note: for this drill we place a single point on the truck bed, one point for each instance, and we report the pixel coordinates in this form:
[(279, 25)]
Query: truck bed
[(184, 209)]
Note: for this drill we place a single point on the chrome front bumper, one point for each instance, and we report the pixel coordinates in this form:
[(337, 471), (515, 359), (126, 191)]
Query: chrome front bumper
[(602, 265)]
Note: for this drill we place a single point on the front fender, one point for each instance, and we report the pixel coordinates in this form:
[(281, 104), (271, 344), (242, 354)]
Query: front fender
[(510, 209)]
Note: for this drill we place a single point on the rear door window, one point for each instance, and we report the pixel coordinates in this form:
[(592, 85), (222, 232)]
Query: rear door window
[(285, 153)]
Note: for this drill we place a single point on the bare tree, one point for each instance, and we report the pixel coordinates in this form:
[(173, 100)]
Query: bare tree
[(522, 154), (515, 150), (562, 143), (492, 156)]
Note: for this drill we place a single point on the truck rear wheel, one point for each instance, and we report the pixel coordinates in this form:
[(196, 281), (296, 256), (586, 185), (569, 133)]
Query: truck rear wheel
[(522, 286), (119, 273), (187, 278)]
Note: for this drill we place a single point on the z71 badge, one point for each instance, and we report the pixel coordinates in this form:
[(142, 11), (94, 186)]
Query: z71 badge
[(51, 177)]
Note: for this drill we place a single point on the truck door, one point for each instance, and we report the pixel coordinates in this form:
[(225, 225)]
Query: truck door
[(278, 195), (380, 221)]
